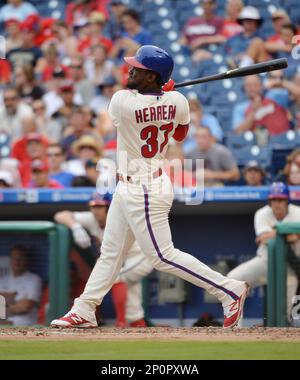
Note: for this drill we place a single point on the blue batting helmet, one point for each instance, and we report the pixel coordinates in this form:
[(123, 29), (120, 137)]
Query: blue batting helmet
[(150, 57), (279, 190)]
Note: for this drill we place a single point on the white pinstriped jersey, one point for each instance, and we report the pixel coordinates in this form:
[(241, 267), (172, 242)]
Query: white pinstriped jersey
[(145, 124)]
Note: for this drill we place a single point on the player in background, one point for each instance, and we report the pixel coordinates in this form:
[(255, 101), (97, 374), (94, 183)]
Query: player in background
[(146, 118), (127, 289), (279, 209)]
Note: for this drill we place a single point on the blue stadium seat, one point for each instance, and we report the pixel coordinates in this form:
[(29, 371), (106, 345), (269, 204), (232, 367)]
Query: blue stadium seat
[(278, 161), (234, 141), (286, 140), (260, 154)]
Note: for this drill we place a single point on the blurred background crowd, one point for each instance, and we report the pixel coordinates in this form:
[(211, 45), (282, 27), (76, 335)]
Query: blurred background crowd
[(61, 62)]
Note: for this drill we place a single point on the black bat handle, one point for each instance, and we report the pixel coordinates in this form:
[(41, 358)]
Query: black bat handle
[(258, 68)]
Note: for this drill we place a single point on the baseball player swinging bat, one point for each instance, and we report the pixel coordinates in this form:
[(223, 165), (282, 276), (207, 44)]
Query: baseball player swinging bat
[(258, 68)]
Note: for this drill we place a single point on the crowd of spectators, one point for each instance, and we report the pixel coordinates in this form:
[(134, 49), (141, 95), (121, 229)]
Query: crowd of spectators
[(59, 76)]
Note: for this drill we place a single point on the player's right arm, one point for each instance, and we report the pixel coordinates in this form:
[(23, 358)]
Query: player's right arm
[(80, 236)]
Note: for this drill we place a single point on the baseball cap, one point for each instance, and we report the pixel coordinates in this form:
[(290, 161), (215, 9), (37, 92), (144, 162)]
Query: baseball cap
[(279, 13), (254, 165), (39, 165), (249, 13), (6, 177), (66, 85), (99, 200)]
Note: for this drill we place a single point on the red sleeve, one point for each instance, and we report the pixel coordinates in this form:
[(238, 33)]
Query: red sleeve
[(181, 132)]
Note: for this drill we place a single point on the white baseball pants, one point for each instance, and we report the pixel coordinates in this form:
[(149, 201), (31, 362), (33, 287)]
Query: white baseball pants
[(140, 212), (135, 268)]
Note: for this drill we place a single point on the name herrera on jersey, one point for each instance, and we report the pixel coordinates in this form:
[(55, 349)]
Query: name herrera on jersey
[(157, 113)]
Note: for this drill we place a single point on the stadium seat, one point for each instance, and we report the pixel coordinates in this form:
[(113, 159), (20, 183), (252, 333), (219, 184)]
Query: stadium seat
[(278, 160), (260, 154), (285, 140), (234, 141)]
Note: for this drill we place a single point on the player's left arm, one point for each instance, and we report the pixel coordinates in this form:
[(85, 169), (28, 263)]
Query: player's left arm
[(183, 118)]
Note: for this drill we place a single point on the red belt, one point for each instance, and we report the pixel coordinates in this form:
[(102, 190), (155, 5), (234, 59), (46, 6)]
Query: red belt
[(129, 179)]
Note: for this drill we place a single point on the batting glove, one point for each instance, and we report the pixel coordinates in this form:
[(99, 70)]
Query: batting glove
[(81, 237), (169, 86)]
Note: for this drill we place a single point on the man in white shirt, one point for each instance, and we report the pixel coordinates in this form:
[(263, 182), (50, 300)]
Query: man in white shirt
[(255, 271), (127, 289), (21, 289), (12, 113)]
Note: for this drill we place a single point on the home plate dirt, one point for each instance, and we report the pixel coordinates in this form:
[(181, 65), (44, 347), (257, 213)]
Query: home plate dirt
[(154, 334)]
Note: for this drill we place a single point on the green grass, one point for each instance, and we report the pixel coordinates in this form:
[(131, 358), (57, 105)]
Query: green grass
[(13, 349)]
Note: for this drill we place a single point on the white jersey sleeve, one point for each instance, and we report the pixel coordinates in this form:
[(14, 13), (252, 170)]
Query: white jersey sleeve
[(87, 220), (183, 116), (264, 220)]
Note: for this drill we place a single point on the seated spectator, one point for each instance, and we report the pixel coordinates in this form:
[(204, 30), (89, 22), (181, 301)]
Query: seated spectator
[(254, 174), (16, 9), (134, 36), (97, 67), (83, 86), (6, 180), (282, 48), (78, 126), (84, 149), (114, 26), (91, 170), (81, 9), (279, 18), (95, 35), (231, 26), (56, 158), (21, 289), (200, 119), (46, 125), (64, 40), (27, 85), (259, 111), (50, 63), (30, 147), (13, 34), (291, 172), (219, 164), (275, 88), (107, 88), (12, 113), (67, 103), (199, 32), (82, 181), (40, 176), (236, 46), (28, 53)]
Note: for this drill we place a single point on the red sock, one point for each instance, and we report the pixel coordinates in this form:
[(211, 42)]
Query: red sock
[(119, 296)]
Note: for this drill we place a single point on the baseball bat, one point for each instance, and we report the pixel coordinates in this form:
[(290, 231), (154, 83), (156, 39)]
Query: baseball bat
[(258, 68)]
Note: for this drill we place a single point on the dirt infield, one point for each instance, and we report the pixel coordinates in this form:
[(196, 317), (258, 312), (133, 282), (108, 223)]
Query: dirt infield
[(154, 334)]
